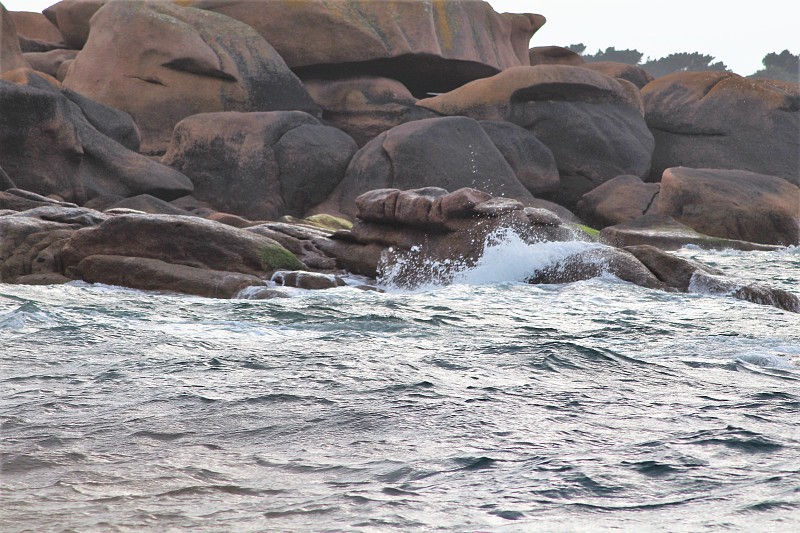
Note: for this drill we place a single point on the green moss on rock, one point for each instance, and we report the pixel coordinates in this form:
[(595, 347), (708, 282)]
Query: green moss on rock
[(276, 257)]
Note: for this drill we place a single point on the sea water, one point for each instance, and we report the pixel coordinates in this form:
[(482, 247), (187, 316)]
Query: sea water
[(483, 405)]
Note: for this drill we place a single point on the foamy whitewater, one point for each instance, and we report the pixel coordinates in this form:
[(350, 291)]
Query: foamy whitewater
[(484, 405)]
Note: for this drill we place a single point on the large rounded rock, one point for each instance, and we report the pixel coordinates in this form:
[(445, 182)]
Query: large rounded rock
[(161, 63), (10, 52), (180, 240), (450, 152), (49, 144), (721, 120), (428, 45), (49, 62), (591, 122), (35, 26), (619, 200), (733, 204), (260, 165), (636, 75), (554, 55), (365, 106), (529, 158), (156, 275), (72, 17)]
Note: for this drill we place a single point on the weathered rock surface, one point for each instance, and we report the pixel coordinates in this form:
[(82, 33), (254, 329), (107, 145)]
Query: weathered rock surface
[(180, 240), (429, 46), (260, 165), (674, 271), (592, 123), (313, 281), (554, 55), (365, 106), (636, 75), (71, 18), (687, 275), (149, 204), (733, 204), (423, 236), (35, 26), (156, 275), (596, 262), (305, 242), (18, 200), (10, 51), (161, 63), (529, 158), (449, 152), (49, 62), (668, 234), (721, 120), (32, 240), (619, 200), (49, 145)]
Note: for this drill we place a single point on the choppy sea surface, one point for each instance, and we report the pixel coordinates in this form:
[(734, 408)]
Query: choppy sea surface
[(485, 405)]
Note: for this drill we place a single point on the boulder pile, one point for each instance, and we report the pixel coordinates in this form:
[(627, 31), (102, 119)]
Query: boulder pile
[(203, 146)]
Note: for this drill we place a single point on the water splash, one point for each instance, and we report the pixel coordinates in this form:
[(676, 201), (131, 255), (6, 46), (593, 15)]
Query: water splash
[(507, 257)]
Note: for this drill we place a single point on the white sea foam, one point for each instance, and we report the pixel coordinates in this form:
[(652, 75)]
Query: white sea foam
[(507, 257)]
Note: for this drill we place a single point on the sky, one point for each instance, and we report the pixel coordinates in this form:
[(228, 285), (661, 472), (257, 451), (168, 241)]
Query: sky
[(733, 31)]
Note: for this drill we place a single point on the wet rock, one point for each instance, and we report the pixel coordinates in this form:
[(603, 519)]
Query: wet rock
[(619, 200), (365, 106), (592, 123), (10, 51), (229, 220), (668, 234), (636, 75), (205, 63), (53, 278), (596, 262), (449, 152), (189, 241), (724, 121), (429, 46), (156, 275), (302, 240), (260, 165), (23, 239), (307, 280), (554, 55), (750, 292), (674, 271), (733, 204)]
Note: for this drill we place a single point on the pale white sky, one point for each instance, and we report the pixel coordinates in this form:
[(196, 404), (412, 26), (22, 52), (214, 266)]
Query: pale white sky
[(736, 32)]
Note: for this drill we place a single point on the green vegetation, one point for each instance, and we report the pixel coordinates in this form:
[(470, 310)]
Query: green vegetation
[(784, 66), (276, 257), (591, 232)]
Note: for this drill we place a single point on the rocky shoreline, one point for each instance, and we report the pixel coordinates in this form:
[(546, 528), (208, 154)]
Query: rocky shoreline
[(215, 149)]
